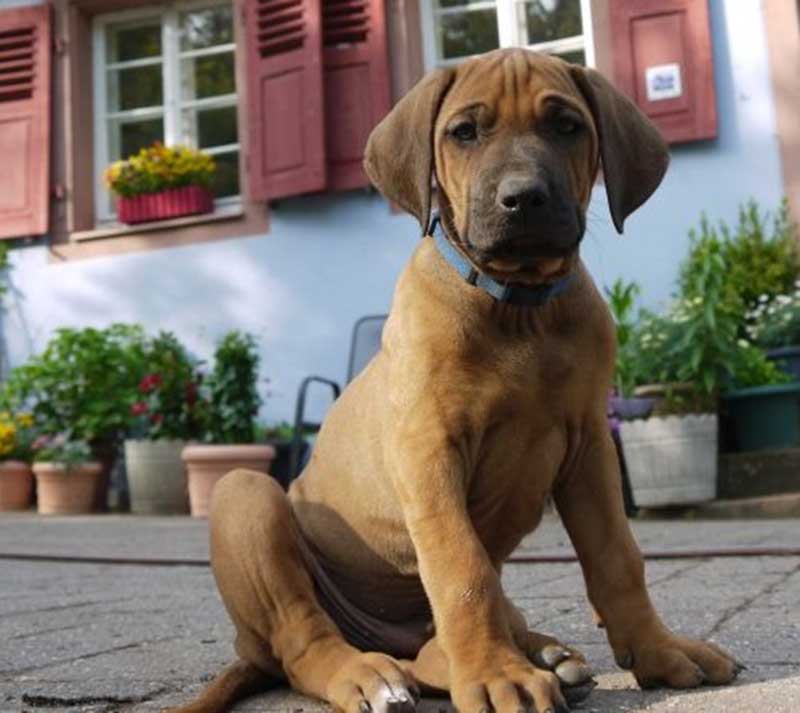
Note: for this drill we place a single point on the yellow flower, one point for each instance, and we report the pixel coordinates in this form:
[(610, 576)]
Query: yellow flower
[(25, 419)]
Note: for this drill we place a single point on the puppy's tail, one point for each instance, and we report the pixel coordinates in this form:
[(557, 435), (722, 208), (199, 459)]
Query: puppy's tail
[(239, 680)]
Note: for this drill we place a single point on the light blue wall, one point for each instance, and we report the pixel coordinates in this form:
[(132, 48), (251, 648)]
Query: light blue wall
[(328, 260)]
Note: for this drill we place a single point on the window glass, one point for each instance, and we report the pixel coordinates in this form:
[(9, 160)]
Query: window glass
[(211, 127), (127, 41), (208, 76), (135, 88), (548, 20), (207, 28), (467, 33)]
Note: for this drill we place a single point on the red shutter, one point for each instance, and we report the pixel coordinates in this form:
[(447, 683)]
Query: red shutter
[(25, 56), (285, 111), (663, 60), (357, 92)]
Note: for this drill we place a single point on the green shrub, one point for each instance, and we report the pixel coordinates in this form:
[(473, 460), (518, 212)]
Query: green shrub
[(760, 255), (83, 384), (231, 390)]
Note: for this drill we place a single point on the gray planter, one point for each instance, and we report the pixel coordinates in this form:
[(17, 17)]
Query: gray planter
[(156, 477), (671, 460)]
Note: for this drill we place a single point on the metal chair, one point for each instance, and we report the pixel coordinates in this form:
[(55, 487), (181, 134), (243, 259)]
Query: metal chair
[(364, 344)]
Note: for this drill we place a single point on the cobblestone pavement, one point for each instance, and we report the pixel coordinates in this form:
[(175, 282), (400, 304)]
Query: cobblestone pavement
[(103, 637)]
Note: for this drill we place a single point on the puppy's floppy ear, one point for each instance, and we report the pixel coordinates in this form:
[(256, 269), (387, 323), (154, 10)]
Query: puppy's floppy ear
[(399, 154), (634, 155)]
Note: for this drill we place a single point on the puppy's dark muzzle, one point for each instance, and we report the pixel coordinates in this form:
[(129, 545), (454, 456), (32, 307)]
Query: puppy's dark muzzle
[(535, 220)]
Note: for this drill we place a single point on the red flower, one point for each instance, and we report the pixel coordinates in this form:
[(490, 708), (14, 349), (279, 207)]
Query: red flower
[(156, 418), (139, 408), (149, 382)]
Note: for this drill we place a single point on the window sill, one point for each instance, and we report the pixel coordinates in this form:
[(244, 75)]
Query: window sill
[(121, 230)]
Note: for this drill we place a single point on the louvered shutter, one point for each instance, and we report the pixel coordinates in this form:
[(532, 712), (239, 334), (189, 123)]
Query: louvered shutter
[(357, 91), (663, 61), (25, 57), (285, 104)]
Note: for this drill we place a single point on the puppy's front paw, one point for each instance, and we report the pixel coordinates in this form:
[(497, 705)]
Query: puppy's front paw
[(679, 662), (372, 683), (509, 684), (569, 664)]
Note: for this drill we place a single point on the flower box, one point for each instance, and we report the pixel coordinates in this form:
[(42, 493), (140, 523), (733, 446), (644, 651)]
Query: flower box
[(169, 203)]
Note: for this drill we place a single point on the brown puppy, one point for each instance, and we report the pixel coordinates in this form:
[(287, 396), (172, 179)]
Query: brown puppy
[(381, 569)]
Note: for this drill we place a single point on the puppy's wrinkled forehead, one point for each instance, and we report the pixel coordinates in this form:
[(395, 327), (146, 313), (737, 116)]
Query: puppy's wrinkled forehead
[(511, 85)]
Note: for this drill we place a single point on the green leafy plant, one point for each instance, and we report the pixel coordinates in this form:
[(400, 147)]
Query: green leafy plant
[(754, 369), (706, 349), (231, 390), (63, 450), (622, 300), (776, 323), (84, 382), (760, 254), (167, 402)]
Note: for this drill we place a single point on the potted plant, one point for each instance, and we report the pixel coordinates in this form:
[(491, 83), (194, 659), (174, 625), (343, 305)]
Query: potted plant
[(17, 434), (165, 417), (231, 402), (162, 182), (691, 351), (85, 381), (66, 477)]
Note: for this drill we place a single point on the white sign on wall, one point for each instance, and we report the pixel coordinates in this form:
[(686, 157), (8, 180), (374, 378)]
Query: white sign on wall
[(663, 82)]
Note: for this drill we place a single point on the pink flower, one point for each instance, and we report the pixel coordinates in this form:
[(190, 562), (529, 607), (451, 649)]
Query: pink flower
[(150, 382), (40, 442), (139, 408)]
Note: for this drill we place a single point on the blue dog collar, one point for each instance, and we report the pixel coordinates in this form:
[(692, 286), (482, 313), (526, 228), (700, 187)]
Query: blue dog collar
[(530, 296)]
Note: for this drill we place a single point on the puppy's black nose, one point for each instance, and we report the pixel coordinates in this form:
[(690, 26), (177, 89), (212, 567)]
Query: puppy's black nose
[(522, 196)]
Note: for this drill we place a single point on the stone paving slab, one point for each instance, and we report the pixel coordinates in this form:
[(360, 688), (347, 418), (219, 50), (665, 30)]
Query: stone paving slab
[(107, 638)]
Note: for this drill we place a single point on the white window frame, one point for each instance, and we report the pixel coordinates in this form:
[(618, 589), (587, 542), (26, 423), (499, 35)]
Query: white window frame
[(509, 31), (170, 58)]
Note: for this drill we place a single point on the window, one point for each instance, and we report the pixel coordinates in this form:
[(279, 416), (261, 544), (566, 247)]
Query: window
[(457, 29), (166, 74)]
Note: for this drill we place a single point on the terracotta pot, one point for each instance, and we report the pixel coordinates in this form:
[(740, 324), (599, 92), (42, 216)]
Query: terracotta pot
[(156, 477), (61, 491), (16, 485), (205, 465), (170, 203)]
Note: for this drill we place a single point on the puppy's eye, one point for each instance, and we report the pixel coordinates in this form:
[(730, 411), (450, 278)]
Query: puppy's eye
[(567, 125), (465, 132)]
